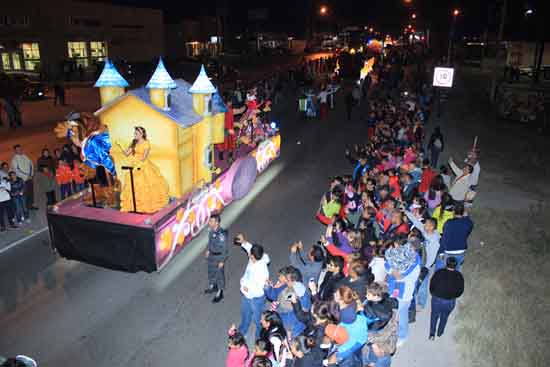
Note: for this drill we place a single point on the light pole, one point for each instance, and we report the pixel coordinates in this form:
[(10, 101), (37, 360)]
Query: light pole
[(455, 13)]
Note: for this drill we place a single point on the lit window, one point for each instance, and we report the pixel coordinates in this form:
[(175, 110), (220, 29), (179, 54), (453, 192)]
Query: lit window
[(78, 52), (31, 55), (6, 64), (98, 50), (16, 61)]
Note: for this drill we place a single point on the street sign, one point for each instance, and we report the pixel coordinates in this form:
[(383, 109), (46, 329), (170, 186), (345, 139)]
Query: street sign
[(443, 77)]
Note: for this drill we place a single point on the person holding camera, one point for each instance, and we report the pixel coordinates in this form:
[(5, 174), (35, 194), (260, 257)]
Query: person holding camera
[(252, 284), (309, 265)]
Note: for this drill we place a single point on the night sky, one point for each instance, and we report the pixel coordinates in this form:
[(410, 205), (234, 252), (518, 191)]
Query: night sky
[(388, 16)]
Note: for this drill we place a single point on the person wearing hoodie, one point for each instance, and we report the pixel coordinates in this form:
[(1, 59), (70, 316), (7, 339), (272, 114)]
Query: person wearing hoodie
[(289, 285), (403, 269), (310, 265), (252, 284), (381, 312)]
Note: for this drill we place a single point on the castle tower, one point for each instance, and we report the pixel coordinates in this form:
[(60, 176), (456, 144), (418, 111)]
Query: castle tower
[(110, 83), (159, 86), (202, 90)]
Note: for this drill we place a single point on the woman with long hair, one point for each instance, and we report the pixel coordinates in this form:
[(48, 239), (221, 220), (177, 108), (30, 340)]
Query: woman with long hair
[(444, 211), (274, 331), (150, 188)]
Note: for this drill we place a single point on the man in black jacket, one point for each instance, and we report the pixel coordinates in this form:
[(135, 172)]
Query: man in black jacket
[(332, 280), (446, 286)]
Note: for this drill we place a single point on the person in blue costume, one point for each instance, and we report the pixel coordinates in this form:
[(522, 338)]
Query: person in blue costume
[(93, 139)]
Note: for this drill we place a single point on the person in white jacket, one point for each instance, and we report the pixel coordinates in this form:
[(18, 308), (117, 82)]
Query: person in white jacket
[(462, 182), (5, 202), (252, 283)]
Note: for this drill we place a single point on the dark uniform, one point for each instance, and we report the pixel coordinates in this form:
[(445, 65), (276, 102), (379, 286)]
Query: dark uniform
[(218, 252)]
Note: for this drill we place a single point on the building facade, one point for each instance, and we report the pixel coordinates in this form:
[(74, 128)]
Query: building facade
[(193, 38), (47, 36)]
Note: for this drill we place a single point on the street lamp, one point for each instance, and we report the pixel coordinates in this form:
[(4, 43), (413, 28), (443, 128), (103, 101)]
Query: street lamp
[(456, 13), (323, 10), (413, 16)]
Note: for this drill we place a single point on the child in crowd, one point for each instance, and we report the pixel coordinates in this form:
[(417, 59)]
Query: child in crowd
[(64, 178), (238, 351)]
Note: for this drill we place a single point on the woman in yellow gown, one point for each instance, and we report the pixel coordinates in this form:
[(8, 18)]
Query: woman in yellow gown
[(151, 189)]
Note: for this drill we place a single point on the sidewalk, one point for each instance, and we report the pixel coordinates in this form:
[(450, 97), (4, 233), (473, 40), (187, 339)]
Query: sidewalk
[(11, 237)]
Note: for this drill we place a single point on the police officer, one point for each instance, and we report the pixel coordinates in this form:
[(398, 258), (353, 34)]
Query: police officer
[(216, 255)]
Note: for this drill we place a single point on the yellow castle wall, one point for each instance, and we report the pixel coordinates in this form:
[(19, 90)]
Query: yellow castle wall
[(162, 134)]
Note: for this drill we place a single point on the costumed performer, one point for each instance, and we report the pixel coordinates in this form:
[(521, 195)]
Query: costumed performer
[(229, 141), (92, 137), (150, 188)]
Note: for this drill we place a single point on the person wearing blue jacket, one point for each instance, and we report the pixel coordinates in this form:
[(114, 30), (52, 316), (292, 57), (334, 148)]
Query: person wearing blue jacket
[(283, 292), (454, 241)]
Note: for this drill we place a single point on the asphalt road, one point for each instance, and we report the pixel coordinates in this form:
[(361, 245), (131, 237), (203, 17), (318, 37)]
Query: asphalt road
[(67, 313)]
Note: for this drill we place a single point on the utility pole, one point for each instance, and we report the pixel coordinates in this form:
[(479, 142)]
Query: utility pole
[(500, 37)]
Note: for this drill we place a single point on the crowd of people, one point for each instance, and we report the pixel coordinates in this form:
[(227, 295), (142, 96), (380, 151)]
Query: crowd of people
[(396, 231), (26, 186)]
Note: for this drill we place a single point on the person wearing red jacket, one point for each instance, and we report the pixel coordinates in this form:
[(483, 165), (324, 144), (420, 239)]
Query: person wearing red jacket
[(64, 178), (428, 175), (230, 138), (77, 176)]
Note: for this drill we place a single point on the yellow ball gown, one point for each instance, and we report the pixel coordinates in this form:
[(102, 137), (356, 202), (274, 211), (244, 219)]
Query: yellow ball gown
[(150, 187)]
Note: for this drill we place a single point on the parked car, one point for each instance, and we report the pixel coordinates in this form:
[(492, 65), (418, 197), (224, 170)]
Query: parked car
[(21, 86)]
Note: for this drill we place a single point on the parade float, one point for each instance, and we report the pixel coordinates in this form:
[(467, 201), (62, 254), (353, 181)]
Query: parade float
[(107, 224)]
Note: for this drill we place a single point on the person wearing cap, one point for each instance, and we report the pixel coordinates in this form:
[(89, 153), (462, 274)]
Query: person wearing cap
[(446, 286), (348, 342)]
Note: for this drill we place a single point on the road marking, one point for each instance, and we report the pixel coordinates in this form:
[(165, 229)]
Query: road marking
[(20, 241)]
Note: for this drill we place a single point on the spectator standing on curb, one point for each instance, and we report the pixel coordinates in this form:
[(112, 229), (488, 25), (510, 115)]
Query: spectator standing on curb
[(64, 177), (216, 255), (252, 284), (446, 286), (18, 198), (454, 241), (44, 188), (403, 269), (46, 159), (24, 169), (5, 202), (431, 244), (436, 146)]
